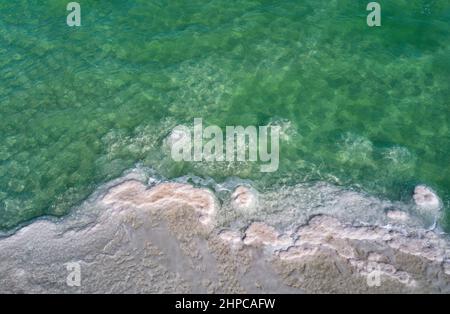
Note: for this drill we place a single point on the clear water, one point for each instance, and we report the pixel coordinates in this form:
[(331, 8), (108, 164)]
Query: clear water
[(367, 108)]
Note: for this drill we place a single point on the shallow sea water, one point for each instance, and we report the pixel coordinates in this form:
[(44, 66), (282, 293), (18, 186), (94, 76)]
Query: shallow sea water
[(364, 108)]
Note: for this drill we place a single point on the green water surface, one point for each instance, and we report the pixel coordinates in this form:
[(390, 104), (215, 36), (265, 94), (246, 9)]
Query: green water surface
[(362, 107)]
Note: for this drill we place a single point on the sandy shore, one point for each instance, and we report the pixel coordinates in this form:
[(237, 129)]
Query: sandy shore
[(138, 235)]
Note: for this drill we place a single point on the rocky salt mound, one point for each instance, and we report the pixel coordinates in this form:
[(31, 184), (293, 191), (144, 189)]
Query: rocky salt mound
[(170, 237), (428, 203), (426, 198), (244, 199), (164, 197)]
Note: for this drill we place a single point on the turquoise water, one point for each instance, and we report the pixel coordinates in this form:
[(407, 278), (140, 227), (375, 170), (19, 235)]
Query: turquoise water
[(367, 108)]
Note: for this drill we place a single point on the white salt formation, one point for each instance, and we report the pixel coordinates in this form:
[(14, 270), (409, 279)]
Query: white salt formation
[(170, 238), (426, 198), (244, 199)]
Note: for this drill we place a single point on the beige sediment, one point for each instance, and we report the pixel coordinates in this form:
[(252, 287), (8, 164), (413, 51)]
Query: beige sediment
[(167, 238), (346, 251), (165, 196)]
